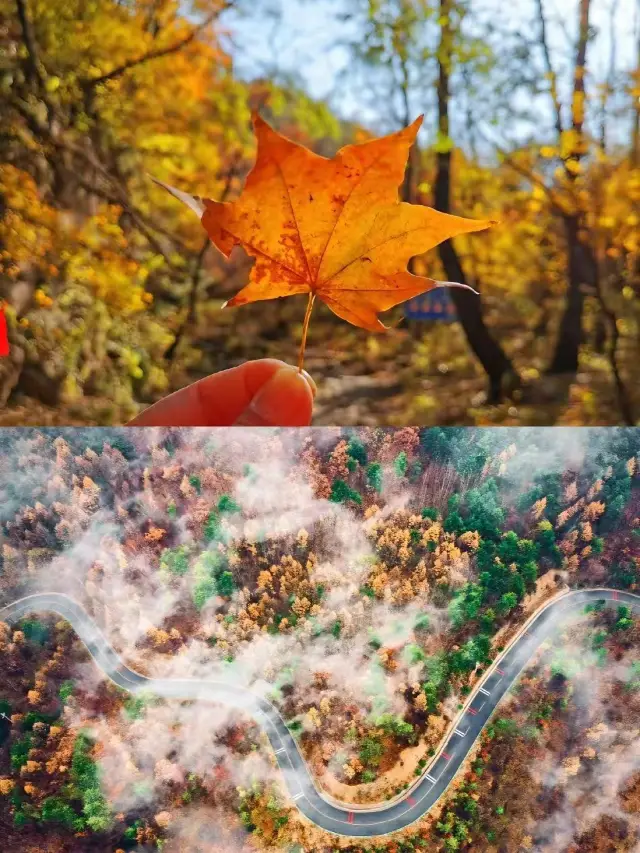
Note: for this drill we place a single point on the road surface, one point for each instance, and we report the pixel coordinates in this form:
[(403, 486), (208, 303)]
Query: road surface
[(357, 821)]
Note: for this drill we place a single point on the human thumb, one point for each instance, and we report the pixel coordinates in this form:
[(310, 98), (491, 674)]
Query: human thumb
[(286, 399)]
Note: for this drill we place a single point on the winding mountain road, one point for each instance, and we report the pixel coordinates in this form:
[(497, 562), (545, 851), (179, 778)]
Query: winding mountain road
[(357, 821)]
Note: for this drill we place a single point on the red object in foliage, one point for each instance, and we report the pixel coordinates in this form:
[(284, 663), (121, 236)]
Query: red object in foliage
[(4, 338)]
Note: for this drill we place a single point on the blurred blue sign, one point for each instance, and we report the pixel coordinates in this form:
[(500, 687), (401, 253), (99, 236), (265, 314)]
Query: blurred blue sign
[(436, 304)]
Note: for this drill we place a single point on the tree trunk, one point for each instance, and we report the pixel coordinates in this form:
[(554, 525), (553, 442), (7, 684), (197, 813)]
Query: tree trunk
[(499, 369), (582, 271), (582, 268)]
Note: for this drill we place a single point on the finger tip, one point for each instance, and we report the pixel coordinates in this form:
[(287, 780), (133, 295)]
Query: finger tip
[(310, 380), (292, 394), (286, 399)]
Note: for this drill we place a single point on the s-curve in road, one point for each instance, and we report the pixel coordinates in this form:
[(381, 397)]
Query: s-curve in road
[(355, 821)]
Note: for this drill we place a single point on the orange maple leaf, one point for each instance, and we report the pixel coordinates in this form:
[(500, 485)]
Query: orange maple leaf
[(331, 228)]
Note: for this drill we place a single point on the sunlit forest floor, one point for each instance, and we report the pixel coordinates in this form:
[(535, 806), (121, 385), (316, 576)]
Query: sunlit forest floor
[(420, 373)]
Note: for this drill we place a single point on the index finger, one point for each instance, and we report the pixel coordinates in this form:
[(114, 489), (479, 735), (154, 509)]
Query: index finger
[(221, 399)]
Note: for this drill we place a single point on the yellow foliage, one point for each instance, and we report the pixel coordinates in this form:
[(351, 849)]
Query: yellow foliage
[(34, 697), (42, 299)]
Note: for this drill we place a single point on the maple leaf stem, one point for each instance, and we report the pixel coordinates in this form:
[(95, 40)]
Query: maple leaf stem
[(305, 329)]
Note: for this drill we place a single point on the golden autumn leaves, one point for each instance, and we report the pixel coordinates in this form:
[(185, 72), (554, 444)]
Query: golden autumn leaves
[(331, 228)]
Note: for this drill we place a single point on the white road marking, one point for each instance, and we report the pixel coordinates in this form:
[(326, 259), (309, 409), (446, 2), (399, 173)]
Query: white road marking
[(278, 751), (431, 779), (461, 734), (486, 692), (297, 796)]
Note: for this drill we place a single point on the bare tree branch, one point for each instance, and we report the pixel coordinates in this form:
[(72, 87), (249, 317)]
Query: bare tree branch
[(153, 54), (192, 302), (34, 123), (29, 39), (612, 356), (35, 67), (553, 77), (142, 226), (195, 278), (607, 88), (525, 172)]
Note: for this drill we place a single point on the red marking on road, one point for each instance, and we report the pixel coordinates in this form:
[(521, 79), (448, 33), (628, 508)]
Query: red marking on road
[(616, 596), (4, 338), (411, 801), (350, 817), (501, 671), (472, 711), (446, 755)]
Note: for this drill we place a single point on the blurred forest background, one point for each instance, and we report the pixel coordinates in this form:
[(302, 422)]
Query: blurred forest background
[(532, 117)]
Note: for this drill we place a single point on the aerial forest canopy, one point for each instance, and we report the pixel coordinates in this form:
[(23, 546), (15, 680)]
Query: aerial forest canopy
[(532, 118), (364, 581)]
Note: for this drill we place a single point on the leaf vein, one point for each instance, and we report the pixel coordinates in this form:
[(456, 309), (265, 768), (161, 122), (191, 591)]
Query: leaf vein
[(295, 219), (335, 224), (369, 249)]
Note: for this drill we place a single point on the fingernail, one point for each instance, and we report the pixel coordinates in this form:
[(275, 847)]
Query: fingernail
[(312, 384), (266, 408)]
